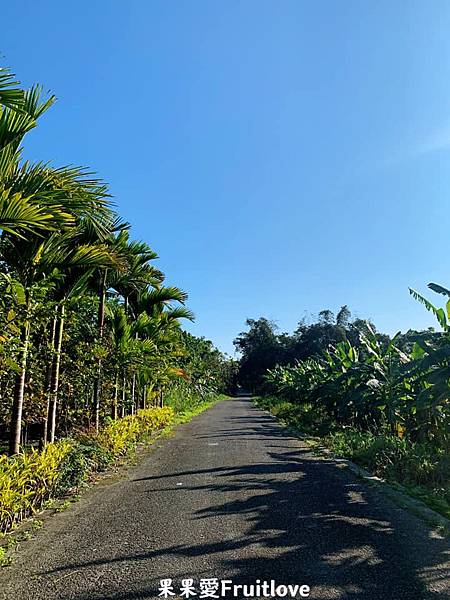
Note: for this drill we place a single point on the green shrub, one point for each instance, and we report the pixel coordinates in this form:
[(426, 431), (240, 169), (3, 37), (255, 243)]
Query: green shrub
[(74, 469), (97, 456), (184, 398), (309, 418)]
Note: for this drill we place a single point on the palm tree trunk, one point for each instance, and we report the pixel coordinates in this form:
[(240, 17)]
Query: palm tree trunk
[(48, 378), (116, 395), (152, 395), (122, 408), (144, 397), (133, 394), (54, 385), (101, 326), (19, 388)]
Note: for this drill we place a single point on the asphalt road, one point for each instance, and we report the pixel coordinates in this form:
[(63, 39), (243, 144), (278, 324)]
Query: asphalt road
[(231, 495)]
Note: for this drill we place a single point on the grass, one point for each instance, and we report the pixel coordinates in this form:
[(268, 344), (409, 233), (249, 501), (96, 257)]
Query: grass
[(420, 469), (189, 412)]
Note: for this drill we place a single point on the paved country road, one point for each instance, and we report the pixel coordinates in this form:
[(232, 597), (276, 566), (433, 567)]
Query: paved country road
[(232, 495)]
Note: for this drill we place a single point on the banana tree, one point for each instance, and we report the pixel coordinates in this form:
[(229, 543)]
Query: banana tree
[(296, 382), (430, 372)]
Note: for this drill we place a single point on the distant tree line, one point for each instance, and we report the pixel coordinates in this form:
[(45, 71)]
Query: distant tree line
[(262, 346)]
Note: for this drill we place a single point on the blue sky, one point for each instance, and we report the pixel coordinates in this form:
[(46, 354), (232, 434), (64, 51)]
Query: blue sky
[(280, 156)]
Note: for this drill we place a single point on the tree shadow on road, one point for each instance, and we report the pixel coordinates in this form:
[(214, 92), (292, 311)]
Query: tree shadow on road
[(307, 521)]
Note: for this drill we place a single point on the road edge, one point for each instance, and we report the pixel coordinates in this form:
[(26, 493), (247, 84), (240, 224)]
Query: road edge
[(393, 491)]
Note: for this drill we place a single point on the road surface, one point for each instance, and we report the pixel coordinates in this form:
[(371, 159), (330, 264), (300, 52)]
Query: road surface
[(232, 496)]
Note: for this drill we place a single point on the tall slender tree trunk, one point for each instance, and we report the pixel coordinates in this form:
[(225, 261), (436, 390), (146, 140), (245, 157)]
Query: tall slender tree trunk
[(54, 385), (48, 378), (133, 394), (152, 395), (133, 382), (124, 395), (19, 388), (101, 326), (116, 396), (144, 397)]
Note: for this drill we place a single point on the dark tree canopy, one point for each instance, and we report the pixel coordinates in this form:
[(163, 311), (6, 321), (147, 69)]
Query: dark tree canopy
[(262, 346)]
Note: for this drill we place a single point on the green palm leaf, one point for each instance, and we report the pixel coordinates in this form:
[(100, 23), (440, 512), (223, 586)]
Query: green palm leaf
[(11, 95)]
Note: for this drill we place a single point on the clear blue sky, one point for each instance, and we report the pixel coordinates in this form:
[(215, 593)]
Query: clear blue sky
[(280, 156)]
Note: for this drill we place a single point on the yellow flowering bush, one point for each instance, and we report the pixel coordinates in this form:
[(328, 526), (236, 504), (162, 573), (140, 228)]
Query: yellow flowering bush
[(29, 479), (120, 435)]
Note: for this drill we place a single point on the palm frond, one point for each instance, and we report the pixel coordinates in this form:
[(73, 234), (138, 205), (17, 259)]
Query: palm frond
[(19, 214), (180, 312), (11, 95)]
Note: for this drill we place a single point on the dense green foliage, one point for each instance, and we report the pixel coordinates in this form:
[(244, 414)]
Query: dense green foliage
[(89, 330), (262, 347), (374, 384), (382, 402)]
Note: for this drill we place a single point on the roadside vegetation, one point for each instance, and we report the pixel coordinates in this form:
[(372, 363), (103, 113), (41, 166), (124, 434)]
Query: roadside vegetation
[(93, 357), (381, 402)]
